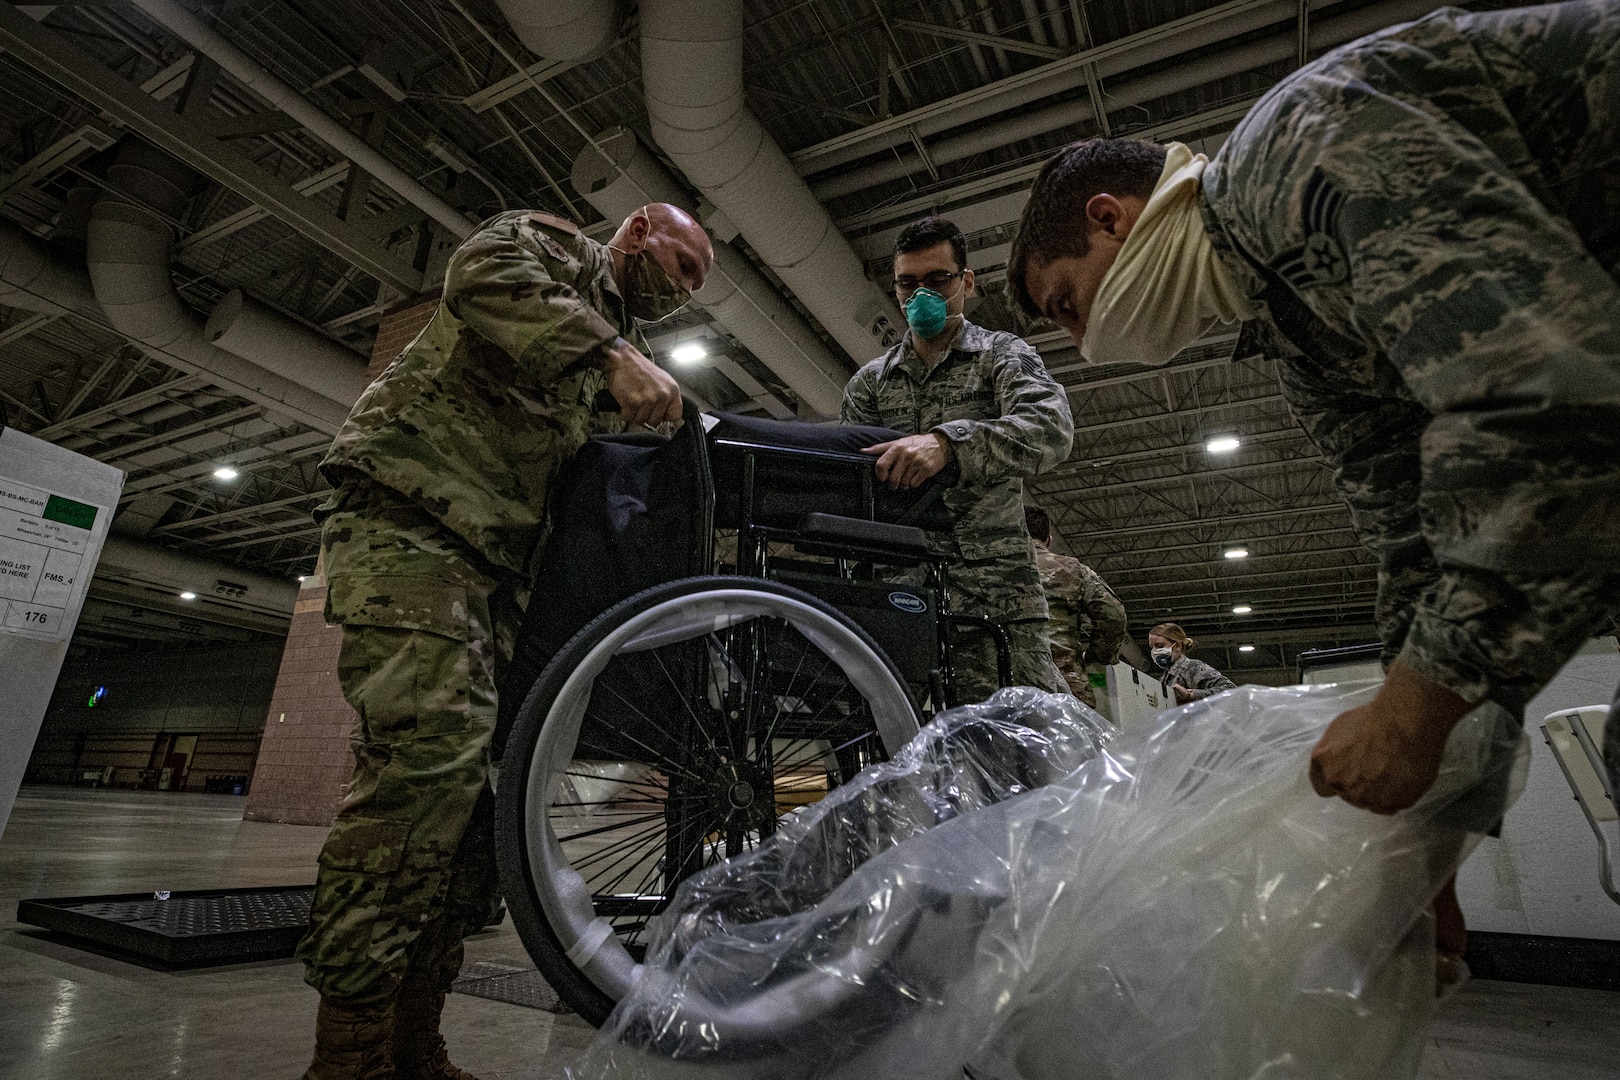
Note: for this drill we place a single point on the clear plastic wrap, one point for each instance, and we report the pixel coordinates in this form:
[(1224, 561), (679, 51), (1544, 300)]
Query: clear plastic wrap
[(1173, 903)]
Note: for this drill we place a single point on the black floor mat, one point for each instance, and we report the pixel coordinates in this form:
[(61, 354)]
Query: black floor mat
[(183, 929), (506, 982)]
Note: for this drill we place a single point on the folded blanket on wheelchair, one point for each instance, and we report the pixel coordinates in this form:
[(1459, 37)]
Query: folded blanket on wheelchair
[(1025, 895)]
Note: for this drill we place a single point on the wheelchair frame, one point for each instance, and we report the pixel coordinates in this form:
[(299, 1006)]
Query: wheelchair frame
[(884, 544)]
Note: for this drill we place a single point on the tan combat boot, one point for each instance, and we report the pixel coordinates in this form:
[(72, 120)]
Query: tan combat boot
[(353, 1042), (419, 1050)]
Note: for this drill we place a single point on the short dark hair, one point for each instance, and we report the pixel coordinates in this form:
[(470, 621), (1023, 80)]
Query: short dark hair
[(1038, 524), (1053, 225), (930, 231)]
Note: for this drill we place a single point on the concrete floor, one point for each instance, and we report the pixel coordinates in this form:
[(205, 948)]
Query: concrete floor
[(71, 1014)]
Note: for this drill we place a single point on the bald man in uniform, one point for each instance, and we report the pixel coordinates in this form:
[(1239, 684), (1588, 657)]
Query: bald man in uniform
[(428, 544)]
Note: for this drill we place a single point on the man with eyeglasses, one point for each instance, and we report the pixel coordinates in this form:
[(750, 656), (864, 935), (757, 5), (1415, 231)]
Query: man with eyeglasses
[(983, 399)]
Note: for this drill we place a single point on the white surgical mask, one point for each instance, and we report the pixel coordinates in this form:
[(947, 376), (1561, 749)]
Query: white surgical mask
[(1163, 656)]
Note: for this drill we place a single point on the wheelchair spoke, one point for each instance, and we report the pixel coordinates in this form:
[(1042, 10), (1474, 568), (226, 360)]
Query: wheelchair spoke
[(610, 827), (616, 847), (658, 759), (684, 702)]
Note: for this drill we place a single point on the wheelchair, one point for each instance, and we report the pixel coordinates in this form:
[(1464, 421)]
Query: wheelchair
[(678, 705)]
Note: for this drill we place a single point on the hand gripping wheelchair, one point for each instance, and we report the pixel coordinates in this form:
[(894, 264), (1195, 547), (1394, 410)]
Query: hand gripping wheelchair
[(672, 714)]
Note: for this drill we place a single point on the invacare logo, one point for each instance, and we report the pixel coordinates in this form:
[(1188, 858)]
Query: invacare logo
[(905, 601)]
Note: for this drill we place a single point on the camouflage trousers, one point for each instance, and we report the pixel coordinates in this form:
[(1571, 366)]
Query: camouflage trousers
[(425, 625), (1007, 590), (973, 659), (1077, 673)]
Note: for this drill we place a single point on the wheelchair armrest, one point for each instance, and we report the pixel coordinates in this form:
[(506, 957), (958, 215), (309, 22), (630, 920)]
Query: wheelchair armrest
[(875, 536)]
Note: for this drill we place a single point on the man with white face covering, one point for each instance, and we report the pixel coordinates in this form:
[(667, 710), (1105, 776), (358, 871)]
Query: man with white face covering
[(984, 399), (1423, 229)]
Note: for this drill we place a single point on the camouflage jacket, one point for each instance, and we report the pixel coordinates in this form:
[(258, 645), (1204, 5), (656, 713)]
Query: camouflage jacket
[(1429, 219), (1086, 616), (1006, 419), (474, 418), (1197, 676)]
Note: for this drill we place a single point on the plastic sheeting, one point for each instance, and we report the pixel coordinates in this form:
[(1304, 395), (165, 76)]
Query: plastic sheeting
[(1173, 903)]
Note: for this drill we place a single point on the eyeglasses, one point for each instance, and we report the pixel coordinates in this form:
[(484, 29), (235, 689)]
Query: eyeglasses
[(938, 280)]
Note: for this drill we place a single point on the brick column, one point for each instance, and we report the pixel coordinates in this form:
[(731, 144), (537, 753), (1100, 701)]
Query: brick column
[(305, 759)]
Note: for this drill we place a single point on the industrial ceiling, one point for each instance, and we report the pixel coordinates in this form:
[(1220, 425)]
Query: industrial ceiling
[(322, 158)]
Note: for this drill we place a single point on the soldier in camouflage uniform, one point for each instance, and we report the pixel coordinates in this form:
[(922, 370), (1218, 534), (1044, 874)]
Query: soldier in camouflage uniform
[(441, 476), (984, 399), (1423, 228), (1087, 621), (1184, 679)]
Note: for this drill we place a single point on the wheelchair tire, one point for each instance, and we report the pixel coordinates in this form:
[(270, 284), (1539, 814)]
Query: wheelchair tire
[(604, 762)]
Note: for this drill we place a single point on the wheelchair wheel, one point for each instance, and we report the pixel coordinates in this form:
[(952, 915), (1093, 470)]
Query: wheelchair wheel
[(673, 732)]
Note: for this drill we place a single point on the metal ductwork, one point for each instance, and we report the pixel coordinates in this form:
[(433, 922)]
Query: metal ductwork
[(127, 256), (567, 31), (243, 326), (212, 44), (35, 278), (737, 296), (691, 56), (143, 574), (905, 162)]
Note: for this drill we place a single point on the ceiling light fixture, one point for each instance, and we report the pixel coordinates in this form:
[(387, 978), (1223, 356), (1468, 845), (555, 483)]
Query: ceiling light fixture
[(225, 472), (188, 595), (1241, 609), (1236, 553), (689, 353), (1245, 648), (1223, 444)]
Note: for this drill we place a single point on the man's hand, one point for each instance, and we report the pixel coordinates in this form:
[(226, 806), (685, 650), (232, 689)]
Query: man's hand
[(1384, 755), (645, 392), (1183, 695), (906, 463)]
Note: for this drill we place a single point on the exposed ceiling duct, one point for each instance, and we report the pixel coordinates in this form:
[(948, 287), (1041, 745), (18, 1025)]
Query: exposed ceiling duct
[(1133, 92), (691, 55), (127, 255), (737, 296), (35, 278), (243, 326), (180, 22), (569, 31)]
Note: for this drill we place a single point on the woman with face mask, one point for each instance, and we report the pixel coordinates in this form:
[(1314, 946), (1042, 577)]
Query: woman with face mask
[(1179, 674)]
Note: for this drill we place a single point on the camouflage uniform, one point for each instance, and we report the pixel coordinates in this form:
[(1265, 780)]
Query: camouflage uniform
[(1006, 418), (1197, 676), (1429, 219), (1087, 621), (442, 472)]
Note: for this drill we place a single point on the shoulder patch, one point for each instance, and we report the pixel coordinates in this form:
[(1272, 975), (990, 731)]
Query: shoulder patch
[(544, 225), (544, 220)]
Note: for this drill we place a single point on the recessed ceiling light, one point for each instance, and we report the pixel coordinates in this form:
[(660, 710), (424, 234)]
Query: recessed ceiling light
[(225, 472), (689, 353), (188, 595), (1223, 444), (1241, 609), (1245, 648), (1236, 553)]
